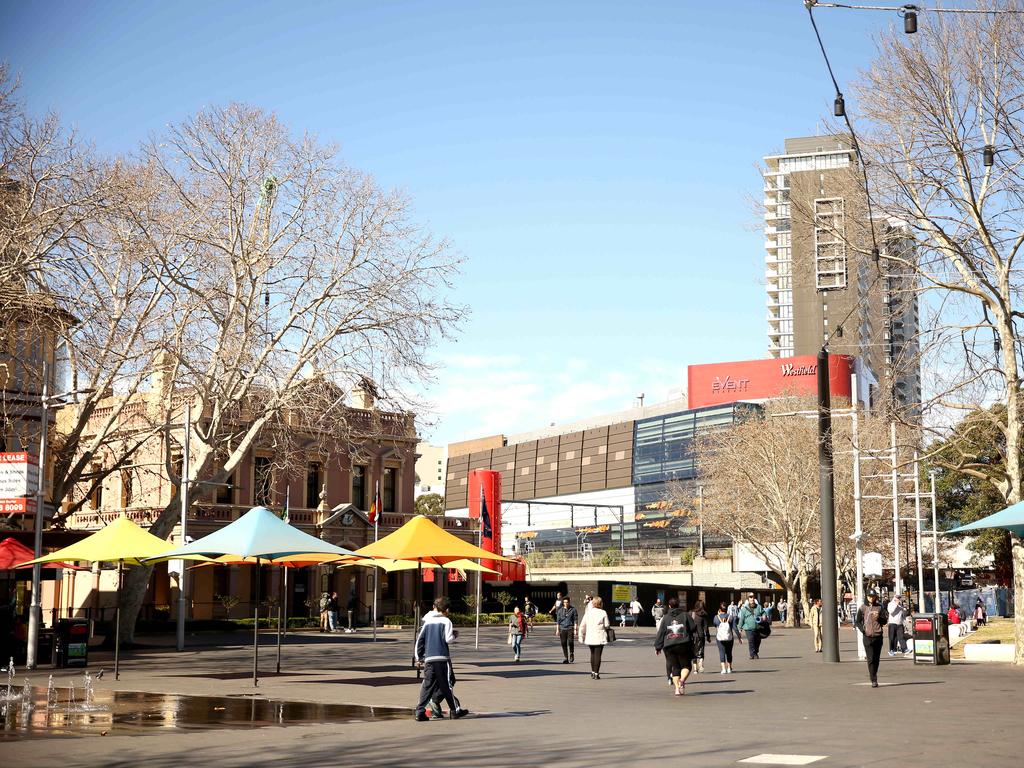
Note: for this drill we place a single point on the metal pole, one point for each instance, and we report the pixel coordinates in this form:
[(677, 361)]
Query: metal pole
[(280, 616), (256, 631), (622, 525), (700, 522), (830, 628), (117, 623), (183, 491), (935, 546), (376, 578), (898, 583), (479, 585), (857, 532), (917, 530), (35, 613)]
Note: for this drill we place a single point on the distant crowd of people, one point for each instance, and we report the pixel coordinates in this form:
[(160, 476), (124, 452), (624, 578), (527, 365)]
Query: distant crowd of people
[(682, 636)]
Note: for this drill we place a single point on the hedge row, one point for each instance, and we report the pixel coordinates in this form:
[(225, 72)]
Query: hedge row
[(468, 619)]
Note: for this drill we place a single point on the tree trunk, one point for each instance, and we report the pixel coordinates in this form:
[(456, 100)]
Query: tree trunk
[(136, 578), (805, 602), (791, 601), (133, 591)]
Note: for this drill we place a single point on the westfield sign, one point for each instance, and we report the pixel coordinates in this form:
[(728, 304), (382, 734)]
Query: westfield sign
[(790, 369)]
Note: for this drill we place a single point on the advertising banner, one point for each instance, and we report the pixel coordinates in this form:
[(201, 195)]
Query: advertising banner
[(19, 474), (623, 593)]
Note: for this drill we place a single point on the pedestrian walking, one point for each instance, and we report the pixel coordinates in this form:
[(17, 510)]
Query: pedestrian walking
[(324, 604), (897, 637), (530, 609), (566, 626), (675, 638), (594, 634), (783, 608), (954, 615), (332, 612), (699, 615), (871, 618), (434, 656), (724, 638), (979, 613), (517, 630), (635, 610), (557, 605), (622, 612), (815, 622), (657, 611), (749, 617), (586, 603)]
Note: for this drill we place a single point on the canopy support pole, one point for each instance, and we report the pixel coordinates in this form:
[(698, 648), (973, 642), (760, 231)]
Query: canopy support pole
[(281, 615), (376, 581), (416, 610), (117, 623), (256, 631)]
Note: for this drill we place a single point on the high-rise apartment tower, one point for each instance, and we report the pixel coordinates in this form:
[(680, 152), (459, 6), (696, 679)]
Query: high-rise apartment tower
[(821, 272)]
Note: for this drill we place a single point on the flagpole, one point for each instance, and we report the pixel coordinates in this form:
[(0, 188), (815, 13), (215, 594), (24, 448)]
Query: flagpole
[(479, 574)]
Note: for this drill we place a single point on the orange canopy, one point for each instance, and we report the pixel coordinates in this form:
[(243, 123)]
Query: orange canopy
[(425, 541)]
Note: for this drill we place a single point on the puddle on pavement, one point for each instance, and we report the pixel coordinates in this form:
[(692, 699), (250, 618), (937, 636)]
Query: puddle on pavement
[(57, 713)]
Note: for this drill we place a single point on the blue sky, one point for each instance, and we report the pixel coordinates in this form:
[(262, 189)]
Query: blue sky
[(594, 163)]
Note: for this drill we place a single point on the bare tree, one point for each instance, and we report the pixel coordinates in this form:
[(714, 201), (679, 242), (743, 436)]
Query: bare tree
[(944, 150), (293, 281), (761, 487)]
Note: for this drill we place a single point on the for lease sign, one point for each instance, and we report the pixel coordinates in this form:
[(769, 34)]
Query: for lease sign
[(19, 474)]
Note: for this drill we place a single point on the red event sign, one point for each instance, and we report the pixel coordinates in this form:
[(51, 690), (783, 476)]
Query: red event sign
[(718, 383)]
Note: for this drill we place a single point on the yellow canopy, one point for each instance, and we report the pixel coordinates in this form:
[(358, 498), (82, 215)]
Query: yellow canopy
[(119, 541), (424, 541), (411, 565)]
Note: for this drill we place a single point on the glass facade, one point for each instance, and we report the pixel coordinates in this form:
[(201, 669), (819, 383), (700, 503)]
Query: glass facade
[(663, 453)]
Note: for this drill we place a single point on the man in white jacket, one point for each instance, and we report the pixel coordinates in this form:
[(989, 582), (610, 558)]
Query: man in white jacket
[(897, 637)]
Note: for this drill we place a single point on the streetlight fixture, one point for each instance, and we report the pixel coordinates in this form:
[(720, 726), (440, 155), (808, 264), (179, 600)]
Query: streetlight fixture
[(910, 19), (35, 614), (839, 106), (988, 155)]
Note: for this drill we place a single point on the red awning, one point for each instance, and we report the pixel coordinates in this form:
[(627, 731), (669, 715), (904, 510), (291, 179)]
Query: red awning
[(13, 553)]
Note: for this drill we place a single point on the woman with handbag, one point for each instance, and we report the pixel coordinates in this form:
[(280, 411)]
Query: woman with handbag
[(517, 630), (594, 631)]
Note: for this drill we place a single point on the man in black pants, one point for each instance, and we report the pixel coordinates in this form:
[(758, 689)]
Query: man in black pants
[(433, 655), (871, 620), (566, 625)]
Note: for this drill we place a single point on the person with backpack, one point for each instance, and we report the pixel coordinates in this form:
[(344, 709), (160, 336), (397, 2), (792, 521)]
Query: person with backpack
[(749, 618), (675, 638), (724, 637), (871, 620)]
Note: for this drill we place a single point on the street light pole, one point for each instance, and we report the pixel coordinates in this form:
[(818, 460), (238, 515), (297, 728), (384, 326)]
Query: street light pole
[(898, 583), (35, 613), (858, 534), (917, 523), (700, 522), (183, 491), (826, 489)]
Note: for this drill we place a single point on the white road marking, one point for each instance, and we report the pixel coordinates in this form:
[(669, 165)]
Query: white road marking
[(770, 759)]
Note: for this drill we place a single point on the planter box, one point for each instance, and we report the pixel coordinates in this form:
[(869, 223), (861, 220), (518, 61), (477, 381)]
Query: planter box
[(989, 652)]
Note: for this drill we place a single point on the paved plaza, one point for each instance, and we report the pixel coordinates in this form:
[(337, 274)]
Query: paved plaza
[(542, 712)]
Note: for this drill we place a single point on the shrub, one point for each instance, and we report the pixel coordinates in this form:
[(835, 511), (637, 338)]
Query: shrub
[(399, 619), (610, 558), (687, 555)]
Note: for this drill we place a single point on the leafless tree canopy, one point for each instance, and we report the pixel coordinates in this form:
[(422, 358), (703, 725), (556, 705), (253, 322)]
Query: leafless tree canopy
[(936, 104)]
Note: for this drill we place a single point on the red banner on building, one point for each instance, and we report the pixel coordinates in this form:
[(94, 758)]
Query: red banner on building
[(720, 383)]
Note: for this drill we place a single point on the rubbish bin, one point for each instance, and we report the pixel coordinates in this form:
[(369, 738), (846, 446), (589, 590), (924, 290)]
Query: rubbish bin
[(71, 645), (931, 639)]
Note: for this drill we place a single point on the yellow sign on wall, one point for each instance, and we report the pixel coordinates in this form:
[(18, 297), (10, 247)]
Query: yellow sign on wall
[(623, 593)]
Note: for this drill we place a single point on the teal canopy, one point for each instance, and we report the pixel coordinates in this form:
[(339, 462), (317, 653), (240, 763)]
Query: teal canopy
[(258, 533), (1011, 518)]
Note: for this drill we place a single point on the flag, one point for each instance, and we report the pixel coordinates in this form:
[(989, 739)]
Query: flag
[(375, 509), (485, 518)]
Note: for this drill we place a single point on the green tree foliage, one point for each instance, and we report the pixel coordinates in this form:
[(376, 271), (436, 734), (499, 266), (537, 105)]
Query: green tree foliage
[(430, 504), (968, 466)]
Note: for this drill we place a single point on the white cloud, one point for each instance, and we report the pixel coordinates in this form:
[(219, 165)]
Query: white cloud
[(477, 395)]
